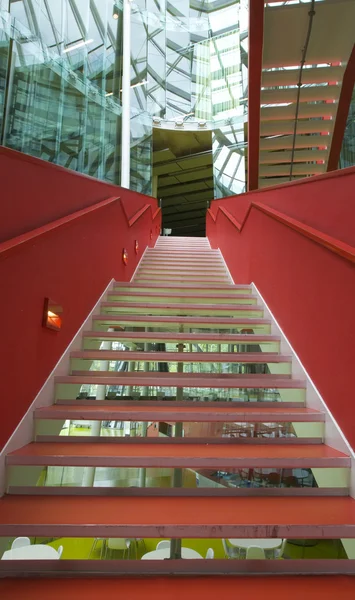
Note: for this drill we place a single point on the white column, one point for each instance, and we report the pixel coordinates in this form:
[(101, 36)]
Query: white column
[(126, 99)]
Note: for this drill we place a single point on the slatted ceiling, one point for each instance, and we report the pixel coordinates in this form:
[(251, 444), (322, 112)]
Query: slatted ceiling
[(197, 160), (310, 75), (302, 141), (286, 26), (298, 169), (184, 188), (285, 29), (271, 181), (299, 156), (185, 177), (167, 168), (195, 174), (308, 94), (304, 126), (162, 155), (306, 110)]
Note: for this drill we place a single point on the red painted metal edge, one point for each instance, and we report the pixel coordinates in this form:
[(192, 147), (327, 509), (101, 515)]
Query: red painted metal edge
[(342, 113), (192, 568), (139, 213), (256, 35), (30, 235), (341, 248)]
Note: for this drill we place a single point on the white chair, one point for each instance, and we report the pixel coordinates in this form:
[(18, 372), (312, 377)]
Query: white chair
[(20, 542), (119, 544), (230, 551), (210, 553), (103, 546), (163, 544), (255, 552), (60, 551), (279, 552)]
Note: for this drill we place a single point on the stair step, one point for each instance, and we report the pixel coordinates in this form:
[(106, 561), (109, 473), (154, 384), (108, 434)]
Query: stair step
[(191, 321), (190, 278), (200, 309), (142, 517), (183, 297), (162, 379), (230, 287), (162, 336), (195, 412), (183, 455), (175, 269), (187, 357)]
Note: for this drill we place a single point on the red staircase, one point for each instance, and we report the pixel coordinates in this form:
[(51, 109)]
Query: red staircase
[(183, 294)]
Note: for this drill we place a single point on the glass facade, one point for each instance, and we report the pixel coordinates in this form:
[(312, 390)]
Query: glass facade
[(61, 77), (347, 155)]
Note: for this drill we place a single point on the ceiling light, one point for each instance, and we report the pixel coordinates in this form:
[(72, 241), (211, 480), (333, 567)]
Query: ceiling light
[(202, 123), (79, 45), (109, 94), (179, 123), (115, 13)]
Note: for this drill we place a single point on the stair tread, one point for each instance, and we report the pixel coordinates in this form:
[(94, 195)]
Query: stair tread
[(321, 517), (214, 452), (191, 357), (201, 413)]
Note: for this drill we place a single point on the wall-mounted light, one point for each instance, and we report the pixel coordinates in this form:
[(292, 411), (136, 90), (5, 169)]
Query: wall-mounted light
[(124, 256), (136, 246), (115, 13), (52, 312), (179, 123), (202, 124)]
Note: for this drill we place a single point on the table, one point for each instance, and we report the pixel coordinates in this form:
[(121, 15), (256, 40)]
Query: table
[(266, 544), (34, 552), (165, 553), (300, 473)]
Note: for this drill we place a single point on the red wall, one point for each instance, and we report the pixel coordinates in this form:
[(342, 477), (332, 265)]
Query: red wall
[(309, 288), (72, 265)]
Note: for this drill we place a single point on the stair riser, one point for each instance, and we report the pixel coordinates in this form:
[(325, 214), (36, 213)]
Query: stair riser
[(179, 416), (187, 357), (201, 382), (277, 368)]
